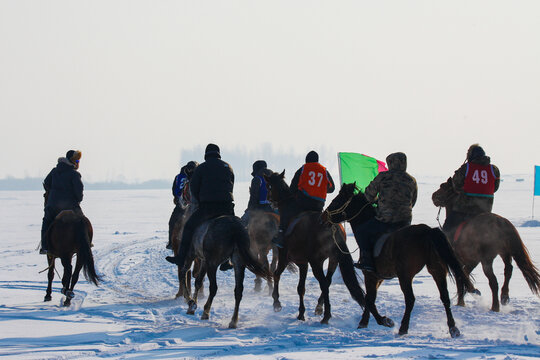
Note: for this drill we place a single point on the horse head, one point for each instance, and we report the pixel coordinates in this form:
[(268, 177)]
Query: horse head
[(347, 206), (278, 190), (445, 196)]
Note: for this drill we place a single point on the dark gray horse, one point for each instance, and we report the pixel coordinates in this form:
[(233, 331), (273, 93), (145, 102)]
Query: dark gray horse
[(214, 242)]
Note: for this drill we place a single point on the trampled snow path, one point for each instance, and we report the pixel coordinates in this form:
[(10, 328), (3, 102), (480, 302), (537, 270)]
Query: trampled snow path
[(133, 313)]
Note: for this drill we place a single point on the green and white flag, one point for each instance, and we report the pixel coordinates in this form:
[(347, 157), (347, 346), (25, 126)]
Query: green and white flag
[(359, 168)]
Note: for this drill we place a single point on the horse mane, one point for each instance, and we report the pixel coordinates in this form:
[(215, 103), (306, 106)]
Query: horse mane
[(445, 195)]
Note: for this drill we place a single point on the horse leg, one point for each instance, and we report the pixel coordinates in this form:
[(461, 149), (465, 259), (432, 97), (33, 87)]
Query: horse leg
[(239, 273), (406, 287), (493, 284), (50, 277), (192, 304), (258, 279), (282, 263), (467, 269), (319, 275), (213, 290), (66, 278), (332, 265), (266, 265), (505, 295), (75, 276), (372, 285), (439, 275), (301, 289)]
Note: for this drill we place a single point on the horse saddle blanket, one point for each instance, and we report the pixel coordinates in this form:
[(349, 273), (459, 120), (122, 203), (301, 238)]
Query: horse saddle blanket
[(377, 248), (297, 219)]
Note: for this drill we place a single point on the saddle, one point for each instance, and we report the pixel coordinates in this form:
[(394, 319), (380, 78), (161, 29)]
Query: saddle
[(377, 248)]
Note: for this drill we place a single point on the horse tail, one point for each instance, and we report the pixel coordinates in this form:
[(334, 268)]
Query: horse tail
[(242, 241), (346, 267), (450, 259), (523, 260), (85, 253)]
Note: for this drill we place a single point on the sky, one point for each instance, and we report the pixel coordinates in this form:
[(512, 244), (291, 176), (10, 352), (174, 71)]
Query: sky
[(134, 83)]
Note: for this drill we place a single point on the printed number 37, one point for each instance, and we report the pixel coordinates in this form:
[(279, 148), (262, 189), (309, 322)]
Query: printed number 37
[(313, 176)]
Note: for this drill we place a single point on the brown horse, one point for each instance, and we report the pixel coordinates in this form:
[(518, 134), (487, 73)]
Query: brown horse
[(310, 242), (262, 227), (184, 279), (70, 233), (403, 255), (480, 239)]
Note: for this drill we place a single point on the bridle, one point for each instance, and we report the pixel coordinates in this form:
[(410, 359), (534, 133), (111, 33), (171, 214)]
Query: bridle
[(341, 210)]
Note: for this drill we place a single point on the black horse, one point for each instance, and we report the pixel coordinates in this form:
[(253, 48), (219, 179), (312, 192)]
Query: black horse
[(310, 242), (70, 234), (403, 255), (215, 241)]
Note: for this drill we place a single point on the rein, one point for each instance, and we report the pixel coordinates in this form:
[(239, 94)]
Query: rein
[(438, 215), (334, 226), (341, 210)]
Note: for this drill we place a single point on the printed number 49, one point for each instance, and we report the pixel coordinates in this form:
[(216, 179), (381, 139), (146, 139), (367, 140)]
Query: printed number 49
[(482, 177), (313, 176)]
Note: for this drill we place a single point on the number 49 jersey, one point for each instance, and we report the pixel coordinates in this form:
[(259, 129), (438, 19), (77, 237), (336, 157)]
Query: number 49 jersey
[(479, 180), (314, 181)]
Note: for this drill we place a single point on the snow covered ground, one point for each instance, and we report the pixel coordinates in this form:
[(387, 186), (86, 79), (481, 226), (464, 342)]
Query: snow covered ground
[(133, 313)]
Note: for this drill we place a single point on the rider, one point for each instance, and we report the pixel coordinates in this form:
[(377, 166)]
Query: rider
[(211, 185), (475, 183), (63, 191), (395, 192), (257, 191), (179, 197), (310, 185)]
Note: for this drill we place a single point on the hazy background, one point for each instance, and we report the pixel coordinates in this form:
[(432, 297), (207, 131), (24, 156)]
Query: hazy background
[(136, 84)]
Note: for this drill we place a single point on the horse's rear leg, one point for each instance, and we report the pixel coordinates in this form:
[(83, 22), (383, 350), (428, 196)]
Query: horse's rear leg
[(505, 290), (213, 290), (332, 265), (319, 275), (75, 276), (301, 289), (439, 275), (282, 263), (372, 285), (66, 278), (239, 273), (487, 266), (50, 277), (467, 269), (406, 287), (192, 304)]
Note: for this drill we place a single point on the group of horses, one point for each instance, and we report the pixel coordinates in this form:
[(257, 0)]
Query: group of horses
[(312, 239)]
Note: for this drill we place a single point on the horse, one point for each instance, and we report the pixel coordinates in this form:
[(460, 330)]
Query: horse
[(403, 255), (480, 240), (262, 227), (309, 242), (215, 241), (70, 233), (176, 237)]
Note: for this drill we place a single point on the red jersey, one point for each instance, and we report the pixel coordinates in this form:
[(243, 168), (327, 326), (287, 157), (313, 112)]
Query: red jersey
[(479, 180), (314, 181)]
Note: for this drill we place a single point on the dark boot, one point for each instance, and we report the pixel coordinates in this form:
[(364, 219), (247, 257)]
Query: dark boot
[(169, 245), (366, 262), (227, 265), (279, 240), (43, 249), (178, 259)]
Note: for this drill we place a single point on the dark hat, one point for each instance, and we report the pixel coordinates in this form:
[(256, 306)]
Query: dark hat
[(73, 155), (258, 166), (312, 156), (212, 150), (475, 152), (192, 165)]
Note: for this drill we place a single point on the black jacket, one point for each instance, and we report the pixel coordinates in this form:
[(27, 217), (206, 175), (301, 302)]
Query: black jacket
[(64, 186), (212, 181)]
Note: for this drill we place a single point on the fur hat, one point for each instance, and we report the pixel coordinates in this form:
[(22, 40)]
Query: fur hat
[(312, 157), (475, 152), (212, 150), (258, 166), (73, 155)]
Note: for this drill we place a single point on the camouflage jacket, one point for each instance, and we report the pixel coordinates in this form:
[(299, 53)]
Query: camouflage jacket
[(472, 205), (395, 191)]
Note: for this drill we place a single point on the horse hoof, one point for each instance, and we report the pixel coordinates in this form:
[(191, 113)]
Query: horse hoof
[(277, 307), (70, 294), (505, 299), (454, 332), (301, 318), (205, 316), (476, 292), (495, 309), (47, 298), (325, 321), (403, 332), (387, 322), (232, 325), (63, 291), (318, 310), (362, 325), (67, 302)]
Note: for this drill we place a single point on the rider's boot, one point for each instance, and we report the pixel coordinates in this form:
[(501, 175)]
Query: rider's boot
[(178, 259), (43, 249), (366, 262), (279, 239)]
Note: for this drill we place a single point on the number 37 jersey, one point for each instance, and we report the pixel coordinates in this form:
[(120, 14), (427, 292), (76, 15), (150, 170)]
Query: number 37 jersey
[(479, 180), (314, 181)]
